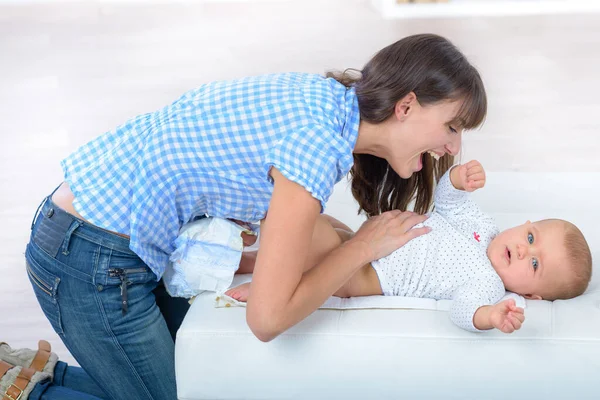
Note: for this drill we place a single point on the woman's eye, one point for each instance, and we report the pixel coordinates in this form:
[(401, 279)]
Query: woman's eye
[(530, 238), (452, 129), (534, 263)]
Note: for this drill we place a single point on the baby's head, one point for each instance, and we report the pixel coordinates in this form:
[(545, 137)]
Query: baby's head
[(548, 259)]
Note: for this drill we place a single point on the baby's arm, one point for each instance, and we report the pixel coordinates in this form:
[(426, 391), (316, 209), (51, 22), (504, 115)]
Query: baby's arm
[(468, 177), (451, 194), (474, 306), (505, 316)]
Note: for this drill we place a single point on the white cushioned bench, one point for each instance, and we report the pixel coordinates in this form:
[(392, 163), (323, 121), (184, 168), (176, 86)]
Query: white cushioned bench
[(413, 353)]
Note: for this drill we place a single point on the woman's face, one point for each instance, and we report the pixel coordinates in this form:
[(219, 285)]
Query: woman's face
[(418, 131)]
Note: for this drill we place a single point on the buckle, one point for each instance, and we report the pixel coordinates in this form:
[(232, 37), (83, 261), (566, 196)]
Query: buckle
[(10, 396)]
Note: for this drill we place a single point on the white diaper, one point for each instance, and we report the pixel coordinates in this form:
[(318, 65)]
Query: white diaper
[(207, 254)]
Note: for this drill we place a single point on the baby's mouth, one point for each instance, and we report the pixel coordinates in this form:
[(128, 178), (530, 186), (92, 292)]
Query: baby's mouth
[(507, 254)]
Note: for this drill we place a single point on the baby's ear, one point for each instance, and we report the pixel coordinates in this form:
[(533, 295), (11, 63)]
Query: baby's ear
[(532, 297)]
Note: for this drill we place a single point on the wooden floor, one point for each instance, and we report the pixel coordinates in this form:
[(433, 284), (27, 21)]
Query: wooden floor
[(69, 72)]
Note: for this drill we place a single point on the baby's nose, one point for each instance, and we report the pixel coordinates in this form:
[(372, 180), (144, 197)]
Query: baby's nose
[(521, 251)]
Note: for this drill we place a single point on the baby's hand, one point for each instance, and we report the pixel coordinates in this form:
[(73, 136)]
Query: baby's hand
[(468, 177), (506, 316)]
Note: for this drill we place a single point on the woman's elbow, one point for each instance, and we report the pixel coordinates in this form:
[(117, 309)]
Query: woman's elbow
[(262, 325)]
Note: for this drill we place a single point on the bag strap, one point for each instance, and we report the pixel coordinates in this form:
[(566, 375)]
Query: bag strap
[(42, 356), (4, 367), (16, 389)]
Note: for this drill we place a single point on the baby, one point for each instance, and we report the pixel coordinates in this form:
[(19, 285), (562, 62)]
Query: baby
[(465, 258)]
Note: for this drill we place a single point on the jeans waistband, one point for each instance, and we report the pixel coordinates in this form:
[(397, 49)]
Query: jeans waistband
[(79, 227)]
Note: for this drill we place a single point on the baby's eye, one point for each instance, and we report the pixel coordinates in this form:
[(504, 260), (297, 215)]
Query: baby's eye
[(530, 238), (534, 263)]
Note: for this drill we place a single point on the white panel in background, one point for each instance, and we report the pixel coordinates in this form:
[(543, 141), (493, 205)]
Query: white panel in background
[(390, 9)]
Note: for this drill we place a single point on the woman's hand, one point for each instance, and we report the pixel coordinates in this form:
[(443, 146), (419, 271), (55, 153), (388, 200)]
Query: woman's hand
[(389, 231)]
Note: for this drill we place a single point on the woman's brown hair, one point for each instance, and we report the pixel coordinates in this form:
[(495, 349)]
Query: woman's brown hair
[(435, 70)]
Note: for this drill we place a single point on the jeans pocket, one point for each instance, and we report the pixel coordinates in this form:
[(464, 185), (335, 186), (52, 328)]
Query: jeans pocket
[(45, 286), (129, 264), (125, 279)]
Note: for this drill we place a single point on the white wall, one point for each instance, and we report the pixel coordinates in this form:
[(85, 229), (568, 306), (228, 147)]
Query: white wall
[(70, 71), (467, 8)]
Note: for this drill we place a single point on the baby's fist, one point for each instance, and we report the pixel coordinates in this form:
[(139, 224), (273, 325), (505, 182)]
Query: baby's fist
[(468, 177)]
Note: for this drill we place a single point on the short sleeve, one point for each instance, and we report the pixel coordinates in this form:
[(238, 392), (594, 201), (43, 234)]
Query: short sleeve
[(312, 158)]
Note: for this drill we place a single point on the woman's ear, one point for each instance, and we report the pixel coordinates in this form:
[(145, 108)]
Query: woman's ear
[(405, 106)]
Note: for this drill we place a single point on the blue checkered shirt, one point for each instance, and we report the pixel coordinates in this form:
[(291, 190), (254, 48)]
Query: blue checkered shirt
[(210, 153)]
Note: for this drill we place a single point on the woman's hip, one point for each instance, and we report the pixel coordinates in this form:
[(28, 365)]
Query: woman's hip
[(66, 244)]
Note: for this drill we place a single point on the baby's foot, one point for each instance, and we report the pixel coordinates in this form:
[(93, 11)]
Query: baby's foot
[(240, 293)]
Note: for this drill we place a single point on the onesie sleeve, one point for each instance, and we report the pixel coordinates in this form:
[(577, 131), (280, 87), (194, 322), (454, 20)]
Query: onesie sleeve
[(450, 202), (481, 291)]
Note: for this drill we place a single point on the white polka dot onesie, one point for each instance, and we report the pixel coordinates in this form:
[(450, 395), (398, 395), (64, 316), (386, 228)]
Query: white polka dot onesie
[(450, 262)]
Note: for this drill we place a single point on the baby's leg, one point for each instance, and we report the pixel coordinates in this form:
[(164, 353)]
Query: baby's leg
[(364, 282), (337, 224), (324, 240), (247, 262)]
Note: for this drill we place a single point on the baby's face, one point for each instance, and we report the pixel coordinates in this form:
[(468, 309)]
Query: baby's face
[(530, 258)]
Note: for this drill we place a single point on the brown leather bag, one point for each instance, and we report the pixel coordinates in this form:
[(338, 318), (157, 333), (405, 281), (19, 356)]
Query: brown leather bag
[(22, 369)]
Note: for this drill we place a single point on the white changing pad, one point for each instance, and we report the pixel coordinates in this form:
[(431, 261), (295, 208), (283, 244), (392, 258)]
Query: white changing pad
[(412, 353)]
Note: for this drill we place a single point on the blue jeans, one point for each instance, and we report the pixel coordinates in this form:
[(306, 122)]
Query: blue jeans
[(69, 383), (105, 304)]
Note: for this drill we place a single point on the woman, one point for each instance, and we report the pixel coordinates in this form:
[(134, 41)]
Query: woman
[(267, 149)]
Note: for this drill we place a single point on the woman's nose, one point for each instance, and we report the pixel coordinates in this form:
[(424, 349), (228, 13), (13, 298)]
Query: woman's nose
[(454, 146)]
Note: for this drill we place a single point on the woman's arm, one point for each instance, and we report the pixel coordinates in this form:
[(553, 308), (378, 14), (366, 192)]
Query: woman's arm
[(324, 240), (281, 293)]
